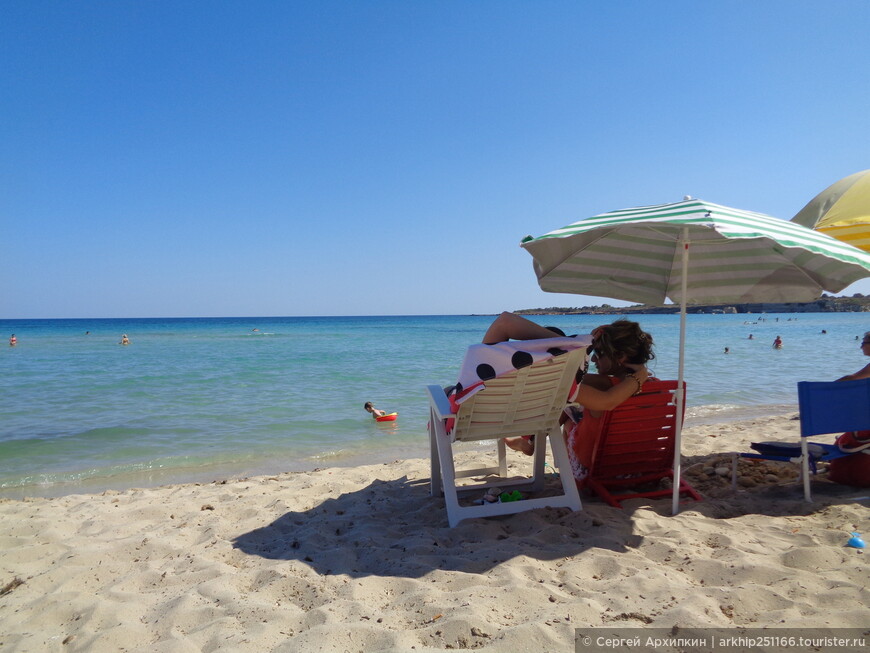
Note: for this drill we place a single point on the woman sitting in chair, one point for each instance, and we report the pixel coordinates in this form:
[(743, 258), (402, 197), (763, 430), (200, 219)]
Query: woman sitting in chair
[(864, 372), (620, 351)]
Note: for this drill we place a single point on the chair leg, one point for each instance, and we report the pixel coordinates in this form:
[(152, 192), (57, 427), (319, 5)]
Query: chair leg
[(540, 458), (563, 464), (448, 480), (444, 477), (436, 431), (502, 458), (805, 469)]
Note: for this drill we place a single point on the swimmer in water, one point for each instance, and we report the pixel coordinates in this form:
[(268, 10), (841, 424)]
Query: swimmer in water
[(370, 407)]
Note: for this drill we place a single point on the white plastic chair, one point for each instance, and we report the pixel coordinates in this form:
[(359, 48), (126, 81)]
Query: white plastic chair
[(527, 401)]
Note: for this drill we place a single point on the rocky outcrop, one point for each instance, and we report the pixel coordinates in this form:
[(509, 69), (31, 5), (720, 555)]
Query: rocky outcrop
[(854, 304)]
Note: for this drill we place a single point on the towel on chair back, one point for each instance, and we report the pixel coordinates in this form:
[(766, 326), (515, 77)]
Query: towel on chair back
[(485, 362)]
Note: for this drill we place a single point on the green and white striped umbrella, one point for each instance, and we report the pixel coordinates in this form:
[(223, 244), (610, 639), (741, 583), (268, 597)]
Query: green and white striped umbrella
[(693, 252), (734, 256)]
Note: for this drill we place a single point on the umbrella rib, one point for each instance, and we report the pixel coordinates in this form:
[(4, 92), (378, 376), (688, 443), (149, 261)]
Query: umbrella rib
[(669, 236), (674, 254), (800, 269), (562, 260)]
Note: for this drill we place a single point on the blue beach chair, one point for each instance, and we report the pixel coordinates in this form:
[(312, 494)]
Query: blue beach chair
[(825, 407)]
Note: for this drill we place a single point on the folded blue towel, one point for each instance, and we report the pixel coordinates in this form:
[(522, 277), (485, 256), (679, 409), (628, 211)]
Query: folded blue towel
[(788, 449)]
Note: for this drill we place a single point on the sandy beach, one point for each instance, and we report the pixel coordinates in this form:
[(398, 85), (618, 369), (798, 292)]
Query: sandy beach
[(362, 559)]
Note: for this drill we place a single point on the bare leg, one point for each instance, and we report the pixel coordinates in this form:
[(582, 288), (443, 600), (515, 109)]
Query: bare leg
[(509, 326), (524, 445)]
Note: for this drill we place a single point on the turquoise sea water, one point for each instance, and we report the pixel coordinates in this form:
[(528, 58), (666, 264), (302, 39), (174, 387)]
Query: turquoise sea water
[(200, 399)]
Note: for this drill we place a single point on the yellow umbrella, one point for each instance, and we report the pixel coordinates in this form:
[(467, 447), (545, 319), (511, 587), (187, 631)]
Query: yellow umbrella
[(842, 210)]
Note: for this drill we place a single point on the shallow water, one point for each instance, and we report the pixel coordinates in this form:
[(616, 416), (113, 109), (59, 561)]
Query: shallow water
[(199, 399)]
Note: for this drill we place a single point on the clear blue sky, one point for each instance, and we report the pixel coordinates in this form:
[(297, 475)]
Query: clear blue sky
[(386, 157)]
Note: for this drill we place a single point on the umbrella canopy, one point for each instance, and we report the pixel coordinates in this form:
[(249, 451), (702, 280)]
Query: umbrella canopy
[(693, 252), (842, 210), (736, 256)]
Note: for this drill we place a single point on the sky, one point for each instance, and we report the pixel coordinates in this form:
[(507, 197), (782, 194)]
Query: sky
[(325, 157)]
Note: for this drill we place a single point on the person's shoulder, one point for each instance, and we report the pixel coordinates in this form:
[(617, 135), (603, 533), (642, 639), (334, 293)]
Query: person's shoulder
[(598, 381), (864, 372)]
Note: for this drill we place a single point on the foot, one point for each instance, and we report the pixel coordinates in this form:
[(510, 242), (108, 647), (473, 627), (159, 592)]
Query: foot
[(524, 445)]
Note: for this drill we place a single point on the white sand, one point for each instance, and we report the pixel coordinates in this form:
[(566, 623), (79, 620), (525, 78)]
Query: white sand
[(361, 559)]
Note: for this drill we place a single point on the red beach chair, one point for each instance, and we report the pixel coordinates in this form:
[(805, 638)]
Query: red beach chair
[(636, 447)]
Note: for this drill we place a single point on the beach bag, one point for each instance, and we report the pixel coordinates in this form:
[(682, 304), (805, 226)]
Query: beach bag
[(852, 470)]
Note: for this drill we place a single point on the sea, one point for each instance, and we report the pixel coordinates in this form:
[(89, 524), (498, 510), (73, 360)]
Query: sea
[(203, 399)]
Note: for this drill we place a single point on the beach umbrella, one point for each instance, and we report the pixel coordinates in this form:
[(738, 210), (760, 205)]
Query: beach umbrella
[(693, 252), (842, 210)]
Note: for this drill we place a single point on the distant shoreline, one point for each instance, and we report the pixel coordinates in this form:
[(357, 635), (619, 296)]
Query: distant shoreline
[(856, 304)]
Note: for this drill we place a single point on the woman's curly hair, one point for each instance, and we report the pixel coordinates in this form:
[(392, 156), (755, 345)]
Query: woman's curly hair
[(623, 338)]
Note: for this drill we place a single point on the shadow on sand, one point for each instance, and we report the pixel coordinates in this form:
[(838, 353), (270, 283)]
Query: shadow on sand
[(394, 528)]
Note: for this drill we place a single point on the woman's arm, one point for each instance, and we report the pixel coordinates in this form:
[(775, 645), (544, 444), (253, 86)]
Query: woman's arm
[(599, 399), (863, 373), (509, 326)]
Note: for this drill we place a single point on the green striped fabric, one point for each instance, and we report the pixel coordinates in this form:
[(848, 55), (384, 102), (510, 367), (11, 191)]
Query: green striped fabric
[(734, 256)]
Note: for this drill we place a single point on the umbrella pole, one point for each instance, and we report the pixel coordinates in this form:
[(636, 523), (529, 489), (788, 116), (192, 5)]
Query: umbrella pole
[(678, 436)]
